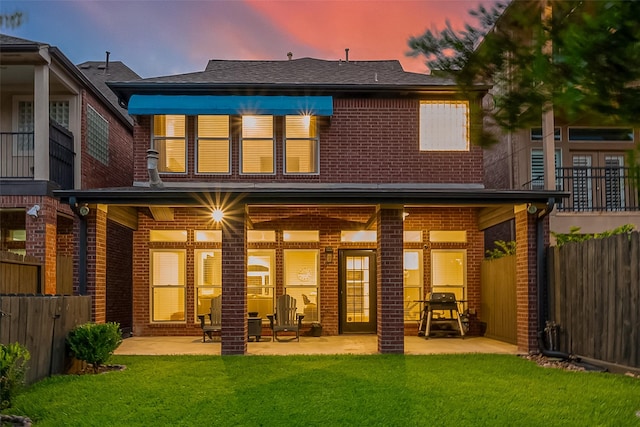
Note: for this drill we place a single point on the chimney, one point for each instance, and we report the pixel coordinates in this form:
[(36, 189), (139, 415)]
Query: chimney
[(290, 55), (346, 55), (106, 65)]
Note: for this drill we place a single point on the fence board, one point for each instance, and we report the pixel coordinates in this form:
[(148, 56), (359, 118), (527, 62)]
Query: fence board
[(594, 289), (40, 324), (64, 275), (498, 298), (19, 274)]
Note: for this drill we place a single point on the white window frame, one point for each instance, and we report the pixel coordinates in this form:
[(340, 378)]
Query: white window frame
[(299, 288), (273, 145), (203, 139), (315, 140), (156, 139), (153, 286)]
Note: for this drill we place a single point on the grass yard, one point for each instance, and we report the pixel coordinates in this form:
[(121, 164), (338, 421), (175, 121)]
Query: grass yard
[(344, 390)]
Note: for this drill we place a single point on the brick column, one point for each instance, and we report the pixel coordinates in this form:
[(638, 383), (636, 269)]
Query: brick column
[(390, 279), (526, 279), (234, 289), (97, 261), (42, 240)]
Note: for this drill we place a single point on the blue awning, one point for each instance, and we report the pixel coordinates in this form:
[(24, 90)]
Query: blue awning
[(193, 105)]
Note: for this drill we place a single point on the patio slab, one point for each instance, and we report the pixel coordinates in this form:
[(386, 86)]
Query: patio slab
[(339, 344)]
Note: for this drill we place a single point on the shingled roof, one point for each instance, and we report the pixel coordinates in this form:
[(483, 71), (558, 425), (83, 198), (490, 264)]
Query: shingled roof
[(304, 71)]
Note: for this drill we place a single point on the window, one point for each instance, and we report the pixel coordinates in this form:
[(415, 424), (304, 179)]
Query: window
[(168, 285), (257, 145), (59, 112), (301, 281), (254, 236), (167, 235), (208, 279), (301, 236), (413, 236), (448, 236), (536, 134), (23, 144), (208, 235), (444, 126), (412, 284), (358, 236), (213, 144), (582, 191), (537, 169), (301, 144), (601, 134), (260, 281), (614, 183), (170, 141), (448, 272), (97, 136)]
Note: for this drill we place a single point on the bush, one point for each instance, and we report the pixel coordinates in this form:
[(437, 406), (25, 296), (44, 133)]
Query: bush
[(501, 249), (94, 343), (13, 366)]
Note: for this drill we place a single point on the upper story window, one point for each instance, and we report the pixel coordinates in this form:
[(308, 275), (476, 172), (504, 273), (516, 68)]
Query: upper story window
[(169, 138), (601, 134), (536, 134), (301, 144), (257, 145), (97, 136), (444, 126), (213, 144)]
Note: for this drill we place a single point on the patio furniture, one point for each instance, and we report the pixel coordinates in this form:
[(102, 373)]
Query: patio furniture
[(285, 318), (254, 326), (442, 303), (215, 319)]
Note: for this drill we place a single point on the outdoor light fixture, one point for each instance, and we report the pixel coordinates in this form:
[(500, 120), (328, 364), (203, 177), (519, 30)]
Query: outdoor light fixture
[(84, 210), (531, 208), (33, 212), (328, 251), (217, 214)]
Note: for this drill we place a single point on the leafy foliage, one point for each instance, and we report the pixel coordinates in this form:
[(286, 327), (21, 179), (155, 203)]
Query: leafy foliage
[(574, 234), (13, 367), (94, 343), (582, 58), (502, 249)]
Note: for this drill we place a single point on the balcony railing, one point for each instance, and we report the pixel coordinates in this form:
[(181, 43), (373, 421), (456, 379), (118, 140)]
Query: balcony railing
[(17, 156), (604, 189)]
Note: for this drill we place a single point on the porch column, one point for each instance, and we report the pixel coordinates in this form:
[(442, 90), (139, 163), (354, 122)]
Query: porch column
[(42, 240), (41, 122), (526, 279), (97, 262), (234, 289), (390, 279)]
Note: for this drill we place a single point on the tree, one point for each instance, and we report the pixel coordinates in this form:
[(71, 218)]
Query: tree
[(594, 65), (12, 20)]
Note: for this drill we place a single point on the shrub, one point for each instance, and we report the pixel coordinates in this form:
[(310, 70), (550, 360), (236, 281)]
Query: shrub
[(502, 249), (13, 366), (94, 343), (574, 234)]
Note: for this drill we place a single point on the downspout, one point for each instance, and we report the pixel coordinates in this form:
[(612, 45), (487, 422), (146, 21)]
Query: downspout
[(543, 301), (82, 248), (152, 167)]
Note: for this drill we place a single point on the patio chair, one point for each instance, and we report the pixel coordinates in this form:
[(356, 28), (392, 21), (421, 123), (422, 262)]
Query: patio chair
[(285, 317), (215, 319)]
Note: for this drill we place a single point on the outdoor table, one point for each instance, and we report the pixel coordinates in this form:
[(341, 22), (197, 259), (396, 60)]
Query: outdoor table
[(429, 306)]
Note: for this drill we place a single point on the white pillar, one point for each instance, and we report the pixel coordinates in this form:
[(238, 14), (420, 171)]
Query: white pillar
[(41, 122)]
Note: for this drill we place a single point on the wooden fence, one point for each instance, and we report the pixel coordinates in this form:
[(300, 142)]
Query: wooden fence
[(41, 323), (594, 292), (20, 274), (498, 298)]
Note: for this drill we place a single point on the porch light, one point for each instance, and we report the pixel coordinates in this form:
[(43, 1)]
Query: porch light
[(328, 252), (217, 214)]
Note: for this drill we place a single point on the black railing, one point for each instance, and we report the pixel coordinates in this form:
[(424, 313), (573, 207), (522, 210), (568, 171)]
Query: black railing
[(17, 155), (604, 189)]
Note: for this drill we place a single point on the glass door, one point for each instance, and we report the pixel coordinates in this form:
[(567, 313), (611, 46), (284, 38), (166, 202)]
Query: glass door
[(357, 291)]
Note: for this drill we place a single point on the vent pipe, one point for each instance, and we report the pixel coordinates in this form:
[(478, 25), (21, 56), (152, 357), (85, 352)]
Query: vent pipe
[(346, 55), (290, 55), (152, 167), (106, 64)]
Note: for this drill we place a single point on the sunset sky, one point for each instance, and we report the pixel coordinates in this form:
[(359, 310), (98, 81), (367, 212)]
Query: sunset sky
[(156, 37)]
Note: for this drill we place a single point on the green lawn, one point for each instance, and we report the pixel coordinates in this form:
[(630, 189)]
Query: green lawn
[(345, 390)]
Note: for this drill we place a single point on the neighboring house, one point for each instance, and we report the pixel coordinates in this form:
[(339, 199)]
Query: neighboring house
[(591, 160), (61, 128), (350, 185)]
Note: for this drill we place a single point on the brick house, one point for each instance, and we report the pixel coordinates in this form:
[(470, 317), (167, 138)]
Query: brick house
[(61, 128), (350, 185)]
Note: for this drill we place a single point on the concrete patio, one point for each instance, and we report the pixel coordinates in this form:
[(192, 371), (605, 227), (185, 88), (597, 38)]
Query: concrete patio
[(340, 344)]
